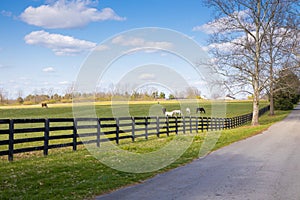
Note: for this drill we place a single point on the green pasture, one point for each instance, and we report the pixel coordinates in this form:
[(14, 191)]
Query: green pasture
[(224, 109), (227, 109)]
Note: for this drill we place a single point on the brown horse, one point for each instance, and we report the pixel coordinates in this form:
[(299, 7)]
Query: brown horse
[(44, 105), (200, 110)]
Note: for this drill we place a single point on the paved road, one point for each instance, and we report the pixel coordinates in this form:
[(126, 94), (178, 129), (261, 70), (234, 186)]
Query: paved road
[(263, 167)]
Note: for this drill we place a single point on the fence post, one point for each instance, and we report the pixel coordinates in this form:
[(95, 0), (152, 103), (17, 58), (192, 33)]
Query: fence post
[(235, 122), (183, 124), (132, 129), (146, 128), (202, 124), (11, 140), (98, 132), (167, 122), (176, 125), (197, 124), (46, 137), (215, 124), (117, 130), (75, 134), (208, 123), (227, 123), (157, 126), (191, 124)]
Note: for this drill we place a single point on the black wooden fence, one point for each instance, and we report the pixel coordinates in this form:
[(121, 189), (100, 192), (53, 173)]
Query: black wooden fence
[(26, 135)]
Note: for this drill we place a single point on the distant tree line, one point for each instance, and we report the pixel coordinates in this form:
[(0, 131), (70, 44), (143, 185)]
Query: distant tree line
[(69, 95)]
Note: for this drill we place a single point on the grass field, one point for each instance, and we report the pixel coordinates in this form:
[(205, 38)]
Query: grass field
[(67, 174), (140, 108)]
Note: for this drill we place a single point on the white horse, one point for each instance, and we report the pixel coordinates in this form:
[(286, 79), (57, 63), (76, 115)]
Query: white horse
[(172, 113), (188, 111), (169, 114), (177, 112)]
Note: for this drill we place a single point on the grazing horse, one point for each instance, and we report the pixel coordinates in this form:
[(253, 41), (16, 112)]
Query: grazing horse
[(172, 113), (167, 114), (177, 112), (200, 110), (44, 105), (188, 111)]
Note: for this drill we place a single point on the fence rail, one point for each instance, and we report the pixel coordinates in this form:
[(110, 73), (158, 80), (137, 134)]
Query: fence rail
[(26, 135)]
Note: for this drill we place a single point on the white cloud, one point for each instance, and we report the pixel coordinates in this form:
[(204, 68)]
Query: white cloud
[(67, 14), (6, 13), (208, 28), (4, 66), (64, 82), (225, 24), (140, 42), (48, 69), (128, 41), (59, 44), (147, 77), (101, 48), (230, 46)]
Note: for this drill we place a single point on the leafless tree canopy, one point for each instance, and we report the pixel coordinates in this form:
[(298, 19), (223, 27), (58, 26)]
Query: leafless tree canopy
[(250, 39)]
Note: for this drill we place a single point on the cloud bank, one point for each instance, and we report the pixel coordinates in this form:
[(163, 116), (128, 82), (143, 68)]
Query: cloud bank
[(59, 44), (48, 69), (65, 14)]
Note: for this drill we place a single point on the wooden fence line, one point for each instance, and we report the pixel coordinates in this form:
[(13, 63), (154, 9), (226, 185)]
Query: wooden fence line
[(96, 130)]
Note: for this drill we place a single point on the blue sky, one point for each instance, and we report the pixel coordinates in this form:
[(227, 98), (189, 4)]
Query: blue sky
[(43, 43)]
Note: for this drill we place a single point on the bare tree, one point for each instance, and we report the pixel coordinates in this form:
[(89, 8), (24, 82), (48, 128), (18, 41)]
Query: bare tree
[(192, 93), (282, 44), (2, 95), (239, 34), (69, 91), (50, 92)]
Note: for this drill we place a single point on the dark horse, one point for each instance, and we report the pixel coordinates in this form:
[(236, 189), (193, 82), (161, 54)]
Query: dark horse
[(200, 110), (44, 105)]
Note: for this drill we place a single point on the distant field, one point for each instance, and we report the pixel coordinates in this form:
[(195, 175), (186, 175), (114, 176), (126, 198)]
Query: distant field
[(136, 108)]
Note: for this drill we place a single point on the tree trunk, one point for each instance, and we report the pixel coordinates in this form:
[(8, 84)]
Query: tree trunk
[(271, 90), (271, 103), (255, 107), (255, 80), (271, 73)]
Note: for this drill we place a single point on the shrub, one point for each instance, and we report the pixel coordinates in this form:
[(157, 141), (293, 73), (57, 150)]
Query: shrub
[(28, 103), (283, 103)]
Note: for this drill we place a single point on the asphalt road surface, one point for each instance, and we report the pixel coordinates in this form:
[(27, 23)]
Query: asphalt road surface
[(263, 167)]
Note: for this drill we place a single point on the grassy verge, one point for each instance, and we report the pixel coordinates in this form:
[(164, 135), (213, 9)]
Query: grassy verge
[(65, 174)]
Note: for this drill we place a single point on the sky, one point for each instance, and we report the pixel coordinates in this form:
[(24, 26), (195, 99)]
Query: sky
[(45, 43)]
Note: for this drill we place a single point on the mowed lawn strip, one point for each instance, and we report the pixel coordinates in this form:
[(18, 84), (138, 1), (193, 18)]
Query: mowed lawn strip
[(65, 174)]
